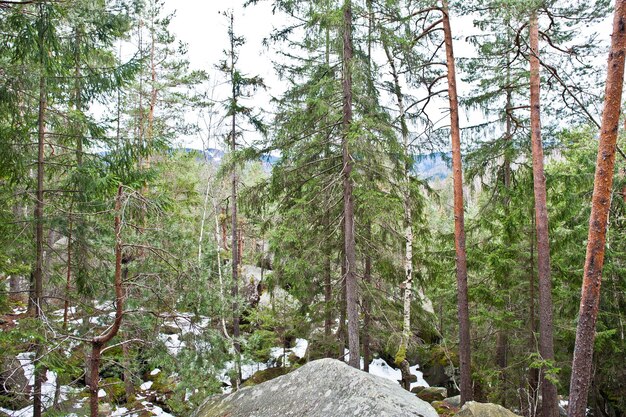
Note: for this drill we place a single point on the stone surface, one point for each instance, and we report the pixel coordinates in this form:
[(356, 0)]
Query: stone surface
[(474, 409), (431, 394), (14, 387), (453, 401), (322, 388)]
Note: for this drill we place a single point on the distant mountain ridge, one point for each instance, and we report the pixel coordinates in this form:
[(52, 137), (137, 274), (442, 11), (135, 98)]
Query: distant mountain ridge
[(428, 166)]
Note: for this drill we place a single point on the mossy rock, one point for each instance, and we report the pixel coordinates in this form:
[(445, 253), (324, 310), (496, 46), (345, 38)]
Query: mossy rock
[(444, 409), (163, 384), (114, 387), (418, 389), (265, 375), (431, 394)]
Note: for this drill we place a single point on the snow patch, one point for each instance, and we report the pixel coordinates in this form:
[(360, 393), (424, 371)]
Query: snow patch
[(146, 385)]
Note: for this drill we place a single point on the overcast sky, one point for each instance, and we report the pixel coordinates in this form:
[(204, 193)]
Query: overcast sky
[(200, 24)]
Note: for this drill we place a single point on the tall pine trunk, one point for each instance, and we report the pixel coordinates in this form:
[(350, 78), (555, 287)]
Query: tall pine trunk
[(600, 205), (234, 223), (348, 199), (99, 342), (37, 298), (459, 218), (549, 404)]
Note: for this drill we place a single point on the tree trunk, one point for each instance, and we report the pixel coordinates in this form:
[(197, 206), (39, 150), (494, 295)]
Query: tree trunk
[(98, 342), (328, 289), (549, 403), (234, 225), (348, 199), (533, 373), (459, 218), (341, 330), (501, 362), (37, 298), (600, 205), (502, 335), (367, 273), (367, 302), (68, 279), (94, 362)]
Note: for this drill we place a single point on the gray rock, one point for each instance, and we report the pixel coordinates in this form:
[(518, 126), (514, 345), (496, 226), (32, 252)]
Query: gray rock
[(474, 409), (453, 401), (322, 388), (431, 394), (12, 375)]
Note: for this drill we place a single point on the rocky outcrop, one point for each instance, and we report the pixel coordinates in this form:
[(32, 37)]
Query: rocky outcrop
[(453, 401), (322, 388), (430, 394), (14, 388), (474, 409)]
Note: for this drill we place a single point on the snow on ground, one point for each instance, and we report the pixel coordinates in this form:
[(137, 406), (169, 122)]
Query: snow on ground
[(48, 387), (172, 342), (184, 322), (156, 410), (382, 369), (300, 348), (155, 371), (146, 385), (19, 310)]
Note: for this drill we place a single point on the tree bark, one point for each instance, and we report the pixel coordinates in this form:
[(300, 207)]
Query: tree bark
[(98, 342), (459, 218), (533, 373), (234, 225), (600, 205), (68, 278), (328, 289), (502, 335), (367, 303), (549, 403), (37, 298), (348, 199)]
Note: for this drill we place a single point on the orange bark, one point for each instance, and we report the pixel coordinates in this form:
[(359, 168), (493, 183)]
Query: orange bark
[(459, 218), (600, 205), (546, 342)]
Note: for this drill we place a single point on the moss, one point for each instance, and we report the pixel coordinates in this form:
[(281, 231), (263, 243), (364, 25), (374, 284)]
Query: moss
[(114, 387), (400, 355), (265, 375), (444, 409), (163, 384)]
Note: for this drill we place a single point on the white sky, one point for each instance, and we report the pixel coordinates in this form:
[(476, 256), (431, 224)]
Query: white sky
[(200, 24)]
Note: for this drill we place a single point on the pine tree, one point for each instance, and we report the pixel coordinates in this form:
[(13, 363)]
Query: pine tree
[(583, 351)]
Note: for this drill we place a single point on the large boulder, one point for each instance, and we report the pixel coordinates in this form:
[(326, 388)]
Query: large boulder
[(430, 394), (322, 388), (14, 387), (474, 409)]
